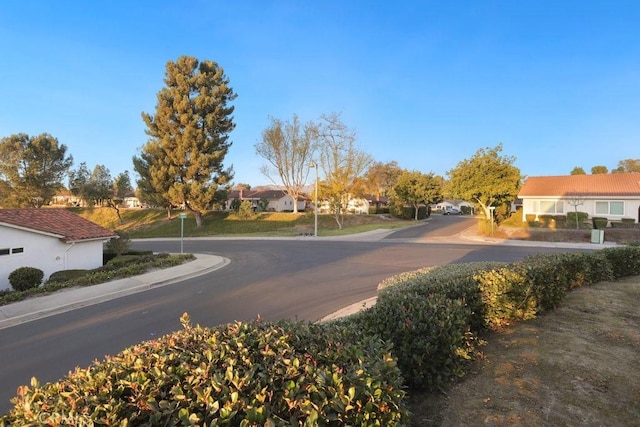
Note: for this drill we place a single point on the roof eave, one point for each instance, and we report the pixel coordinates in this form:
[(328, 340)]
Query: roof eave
[(32, 230)]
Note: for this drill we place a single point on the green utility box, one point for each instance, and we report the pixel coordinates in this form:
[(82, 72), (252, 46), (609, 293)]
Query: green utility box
[(597, 236)]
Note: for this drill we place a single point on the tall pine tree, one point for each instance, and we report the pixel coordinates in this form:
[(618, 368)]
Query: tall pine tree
[(189, 135)]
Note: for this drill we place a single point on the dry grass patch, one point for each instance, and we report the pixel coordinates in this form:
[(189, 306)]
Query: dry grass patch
[(577, 365)]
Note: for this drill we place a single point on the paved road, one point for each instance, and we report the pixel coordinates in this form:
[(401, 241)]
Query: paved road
[(438, 228), (302, 279)]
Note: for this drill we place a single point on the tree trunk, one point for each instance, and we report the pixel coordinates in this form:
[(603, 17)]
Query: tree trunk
[(111, 204), (338, 217), (487, 211), (198, 217), (168, 210), (415, 216)]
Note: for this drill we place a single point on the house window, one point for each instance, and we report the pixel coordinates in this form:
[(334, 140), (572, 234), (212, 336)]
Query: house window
[(549, 207), (610, 208), (8, 251)]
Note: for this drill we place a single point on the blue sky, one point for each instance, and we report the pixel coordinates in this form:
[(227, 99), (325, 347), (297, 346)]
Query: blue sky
[(424, 83)]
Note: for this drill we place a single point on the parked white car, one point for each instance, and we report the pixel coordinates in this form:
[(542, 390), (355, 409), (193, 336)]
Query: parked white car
[(452, 211)]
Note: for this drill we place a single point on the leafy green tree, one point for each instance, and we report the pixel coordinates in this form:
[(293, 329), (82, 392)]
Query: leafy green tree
[(627, 166), (122, 186), (102, 186), (120, 244), (32, 169), (380, 179), (288, 148), (343, 164), (189, 135), (96, 188), (414, 188), (245, 210), (80, 183), (596, 170), (487, 178), (242, 186), (578, 171)]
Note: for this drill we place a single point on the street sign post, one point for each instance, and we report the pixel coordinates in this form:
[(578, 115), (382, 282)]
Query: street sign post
[(182, 217)]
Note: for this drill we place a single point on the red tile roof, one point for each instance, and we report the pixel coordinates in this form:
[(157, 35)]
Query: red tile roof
[(260, 194), (598, 185), (67, 225)]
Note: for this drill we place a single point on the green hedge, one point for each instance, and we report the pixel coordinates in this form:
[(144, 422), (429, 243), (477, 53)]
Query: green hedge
[(571, 219), (409, 212), (435, 317), (240, 374), (624, 223), (599, 222)]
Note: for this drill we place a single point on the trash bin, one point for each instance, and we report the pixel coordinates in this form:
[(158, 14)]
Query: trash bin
[(597, 236)]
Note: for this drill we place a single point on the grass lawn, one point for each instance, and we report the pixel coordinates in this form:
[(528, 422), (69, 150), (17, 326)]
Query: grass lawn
[(153, 223)]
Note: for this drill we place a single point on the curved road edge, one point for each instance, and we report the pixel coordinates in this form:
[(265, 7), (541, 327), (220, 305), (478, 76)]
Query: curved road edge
[(73, 298)]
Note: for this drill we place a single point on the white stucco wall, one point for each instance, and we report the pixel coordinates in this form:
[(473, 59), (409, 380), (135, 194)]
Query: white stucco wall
[(285, 204), (631, 207), (47, 253)]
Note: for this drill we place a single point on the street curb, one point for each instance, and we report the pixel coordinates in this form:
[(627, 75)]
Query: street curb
[(79, 297)]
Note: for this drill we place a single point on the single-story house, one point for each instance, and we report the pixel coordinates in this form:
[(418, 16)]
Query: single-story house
[(49, 239), (65, 198), (277, 200), (377, 201), (612, 196), (131, 202), (357, 205)]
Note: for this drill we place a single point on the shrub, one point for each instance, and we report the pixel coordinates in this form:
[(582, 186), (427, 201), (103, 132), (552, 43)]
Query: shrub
[(531, 220), (504, 296), (432, 316), (561, 221), (599, 222), (285, 373), (108, 255), (119, 245), (409, 212), (515, 220), (245, 210), (624, 223), (24, 278), (435, 316), (66, 275), (124, 260), (429, 335), (625, 260), (571, 219)]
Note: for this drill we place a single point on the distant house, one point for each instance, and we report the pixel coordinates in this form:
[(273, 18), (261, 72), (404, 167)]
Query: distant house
[(276, 200), (131, 202), (612, 196), (376, 201), (355, 205), (49, 239), (66, 198)]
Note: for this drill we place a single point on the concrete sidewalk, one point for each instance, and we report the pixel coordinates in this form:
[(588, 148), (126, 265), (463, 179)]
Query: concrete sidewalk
[(70, 299)]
